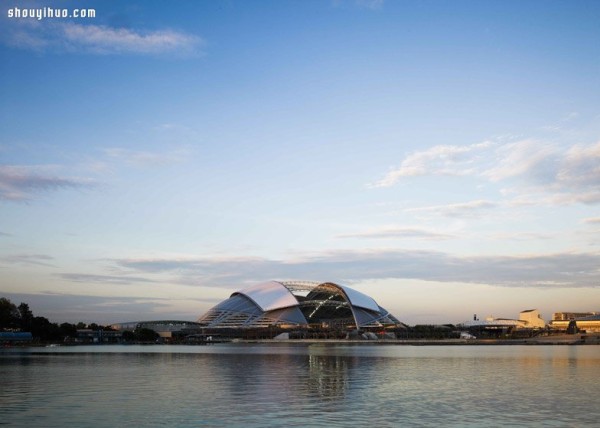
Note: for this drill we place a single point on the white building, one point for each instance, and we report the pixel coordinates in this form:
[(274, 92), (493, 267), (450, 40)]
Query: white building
[(532, 318)]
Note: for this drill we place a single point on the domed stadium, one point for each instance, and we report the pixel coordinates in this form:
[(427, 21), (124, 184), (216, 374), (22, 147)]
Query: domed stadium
[(294, 304)]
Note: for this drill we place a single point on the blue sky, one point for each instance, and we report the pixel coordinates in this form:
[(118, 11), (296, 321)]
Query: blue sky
[(442, 157)]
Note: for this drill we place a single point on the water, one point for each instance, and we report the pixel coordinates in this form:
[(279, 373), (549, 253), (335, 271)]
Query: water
[(257, 385)]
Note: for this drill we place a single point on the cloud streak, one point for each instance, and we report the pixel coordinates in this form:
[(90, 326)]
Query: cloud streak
[(551, 270), (99, 309), (28, 259), (145, 158), (103, 279), (398, 233), (464, 209), (521, 236), (18, 183), (100, 40)]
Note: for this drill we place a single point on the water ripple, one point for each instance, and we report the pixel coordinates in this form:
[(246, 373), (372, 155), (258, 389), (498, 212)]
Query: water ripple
[(323, 386)]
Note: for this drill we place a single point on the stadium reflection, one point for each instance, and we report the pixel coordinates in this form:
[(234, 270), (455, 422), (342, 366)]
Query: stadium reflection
[(328, 376)]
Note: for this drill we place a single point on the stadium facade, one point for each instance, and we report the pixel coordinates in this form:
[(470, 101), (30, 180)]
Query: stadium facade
[(298, 304)]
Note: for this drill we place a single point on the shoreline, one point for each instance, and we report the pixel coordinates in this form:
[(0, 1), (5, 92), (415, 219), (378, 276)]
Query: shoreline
[(577, 339), (546, 341)]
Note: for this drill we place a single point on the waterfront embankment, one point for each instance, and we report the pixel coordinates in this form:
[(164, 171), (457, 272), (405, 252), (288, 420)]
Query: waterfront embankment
[(564, 339)]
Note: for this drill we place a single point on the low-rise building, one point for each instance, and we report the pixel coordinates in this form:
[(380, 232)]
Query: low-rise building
[(492, 323), (166, 329), (532, 318), (10, 337), (87, 335), (588, 323), (568, 316), (529, 319)]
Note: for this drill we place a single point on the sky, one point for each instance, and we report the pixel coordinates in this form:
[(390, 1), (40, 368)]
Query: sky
[(441, 157)]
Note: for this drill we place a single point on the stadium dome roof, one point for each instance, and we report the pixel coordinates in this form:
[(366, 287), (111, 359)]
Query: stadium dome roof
[(295, 303)]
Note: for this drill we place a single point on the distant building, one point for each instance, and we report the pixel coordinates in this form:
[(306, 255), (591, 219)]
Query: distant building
[(587, 323), (568, 316), (11, 337), (166, 329), (492, 323), (528, 319), (87, 335), (532, 318)]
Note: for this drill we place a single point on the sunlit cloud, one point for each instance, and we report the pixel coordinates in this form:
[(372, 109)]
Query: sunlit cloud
[(592, 220), (527, 157), (438, 160), (581, 167), (563, 175)]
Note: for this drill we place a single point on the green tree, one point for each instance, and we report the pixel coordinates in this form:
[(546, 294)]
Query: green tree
[(44, 330), (128, 336), (69, 330), (25, 317), (146, 335), (9, 314)]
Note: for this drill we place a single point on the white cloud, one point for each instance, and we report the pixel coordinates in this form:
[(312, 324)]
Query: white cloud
[(593, 220), (438, 160), (99, 39), (464, 209), (581, 167), (527, 157), (562, 175), (398, 232)]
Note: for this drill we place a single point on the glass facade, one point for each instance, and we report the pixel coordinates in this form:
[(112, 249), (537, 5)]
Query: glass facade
[(298, 304)]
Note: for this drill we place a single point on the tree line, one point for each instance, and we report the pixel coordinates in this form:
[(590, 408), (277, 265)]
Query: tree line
[(21, 318)]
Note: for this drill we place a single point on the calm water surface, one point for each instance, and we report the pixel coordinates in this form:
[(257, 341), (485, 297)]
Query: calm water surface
[(256, 385)]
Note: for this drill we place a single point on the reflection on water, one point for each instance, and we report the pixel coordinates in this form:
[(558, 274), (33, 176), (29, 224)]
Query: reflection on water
[(328, 376), (300, 385)]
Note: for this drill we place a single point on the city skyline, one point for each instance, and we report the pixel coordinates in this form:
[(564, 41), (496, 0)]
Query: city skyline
[(443, 158)]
